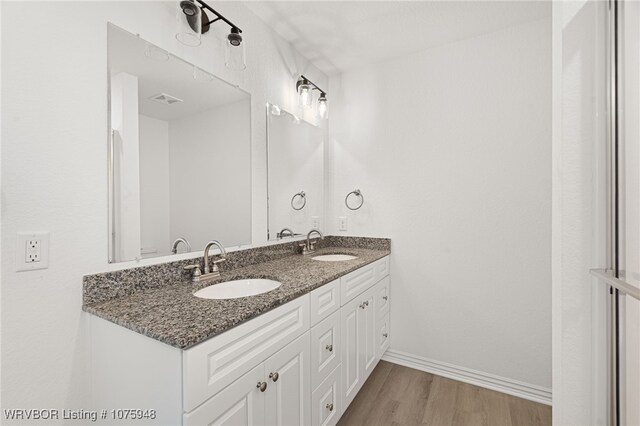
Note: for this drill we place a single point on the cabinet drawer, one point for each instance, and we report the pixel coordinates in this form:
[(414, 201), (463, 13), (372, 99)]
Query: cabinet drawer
[(382, 297), (212, 365), (382, 336), (324, 301), (356, 282), (325, 349), (326, 407), (382, 268)]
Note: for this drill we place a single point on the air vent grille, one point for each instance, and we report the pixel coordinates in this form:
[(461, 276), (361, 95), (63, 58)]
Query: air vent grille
[(165, 99)]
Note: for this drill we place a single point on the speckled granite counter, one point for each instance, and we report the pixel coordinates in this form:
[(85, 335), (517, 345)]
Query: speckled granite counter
[(167, 311)]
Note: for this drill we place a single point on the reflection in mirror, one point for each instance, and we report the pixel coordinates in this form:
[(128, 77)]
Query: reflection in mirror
[(295, 172), (180, 154)]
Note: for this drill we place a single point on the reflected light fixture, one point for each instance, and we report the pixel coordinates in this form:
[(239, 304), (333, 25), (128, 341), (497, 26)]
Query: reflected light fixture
[(305, 88), (198, 23), (275, 109), (322, 106)]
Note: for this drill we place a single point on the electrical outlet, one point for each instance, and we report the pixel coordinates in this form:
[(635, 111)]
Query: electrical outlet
[(32, 251), (342, 223), (315, 222)]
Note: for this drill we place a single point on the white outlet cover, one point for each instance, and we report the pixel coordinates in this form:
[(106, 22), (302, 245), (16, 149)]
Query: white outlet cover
[(342, 223), (21, 251)]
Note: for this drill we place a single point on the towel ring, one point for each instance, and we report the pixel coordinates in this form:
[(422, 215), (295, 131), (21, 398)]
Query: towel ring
[(357, 193), (303, 196)]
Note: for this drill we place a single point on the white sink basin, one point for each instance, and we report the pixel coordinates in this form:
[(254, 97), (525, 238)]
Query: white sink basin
[(236, 289), (334, 257)]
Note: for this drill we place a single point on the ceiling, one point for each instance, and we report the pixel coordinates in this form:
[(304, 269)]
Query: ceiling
[(159, 72), (340, 35)]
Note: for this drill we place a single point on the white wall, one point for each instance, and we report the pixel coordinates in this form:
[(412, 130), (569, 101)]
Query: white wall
[(451, 148), (54, 119), (154, 186), (211, 176)]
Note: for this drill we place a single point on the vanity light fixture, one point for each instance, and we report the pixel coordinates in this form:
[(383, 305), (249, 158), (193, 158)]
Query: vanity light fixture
[(198, 23), (304, 92), (305, 88)]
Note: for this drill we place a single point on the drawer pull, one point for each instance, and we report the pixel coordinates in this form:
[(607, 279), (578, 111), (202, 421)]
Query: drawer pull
[(330, 407), (262, 386), (274, 376), (385, 334), (329, 348), (362, 306), (366, 303), (385, 297)]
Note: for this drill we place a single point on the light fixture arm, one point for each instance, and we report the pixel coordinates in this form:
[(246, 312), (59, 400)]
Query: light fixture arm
[(219, 16), (305, 80)]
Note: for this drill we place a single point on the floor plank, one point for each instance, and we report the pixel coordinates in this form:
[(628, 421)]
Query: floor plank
[(399, 396)]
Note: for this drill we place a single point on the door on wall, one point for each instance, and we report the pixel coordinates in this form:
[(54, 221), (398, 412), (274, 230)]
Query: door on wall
[(622, 277), (629, 209)]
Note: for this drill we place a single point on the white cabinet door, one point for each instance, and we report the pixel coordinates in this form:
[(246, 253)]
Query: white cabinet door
[(242, 403), (382, 297), (326, 407), (351, 371), (325, 349), (288, 398), (382, 335), (367, 334)]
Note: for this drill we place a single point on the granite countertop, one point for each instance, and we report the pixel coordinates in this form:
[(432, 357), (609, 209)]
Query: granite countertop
[(171, 313)]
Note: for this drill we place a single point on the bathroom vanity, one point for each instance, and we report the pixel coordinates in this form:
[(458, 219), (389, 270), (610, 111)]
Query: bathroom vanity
[(294, 355), (273, 336)]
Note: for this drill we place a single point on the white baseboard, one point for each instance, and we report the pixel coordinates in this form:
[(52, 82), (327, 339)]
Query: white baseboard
[(474, 377)]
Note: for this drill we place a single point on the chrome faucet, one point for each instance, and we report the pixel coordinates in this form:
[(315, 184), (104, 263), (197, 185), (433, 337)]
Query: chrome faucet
[(308, 248), (177, 242), (284, 231), (208, 273), (223, 257)]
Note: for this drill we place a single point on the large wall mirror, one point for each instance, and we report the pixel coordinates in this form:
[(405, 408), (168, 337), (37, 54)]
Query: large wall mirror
[(179, 154), (295, 173)]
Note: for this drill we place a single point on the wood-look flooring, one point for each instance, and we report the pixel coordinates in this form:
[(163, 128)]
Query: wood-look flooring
[(396, 395)]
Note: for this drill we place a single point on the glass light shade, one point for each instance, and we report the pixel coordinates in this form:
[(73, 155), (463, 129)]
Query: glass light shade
[(189, 26), (304, 92), (155, 53), (323, 111), (234, 56), (275, 110)]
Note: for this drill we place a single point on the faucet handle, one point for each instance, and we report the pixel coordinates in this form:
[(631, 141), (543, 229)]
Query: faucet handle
[(195, 275), (215, 264)]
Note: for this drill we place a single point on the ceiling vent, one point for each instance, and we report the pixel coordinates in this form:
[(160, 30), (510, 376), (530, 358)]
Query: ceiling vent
[(163, 98)]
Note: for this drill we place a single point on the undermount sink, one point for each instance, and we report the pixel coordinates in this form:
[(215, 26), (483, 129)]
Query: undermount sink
[(334, 257), (237, 288)]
